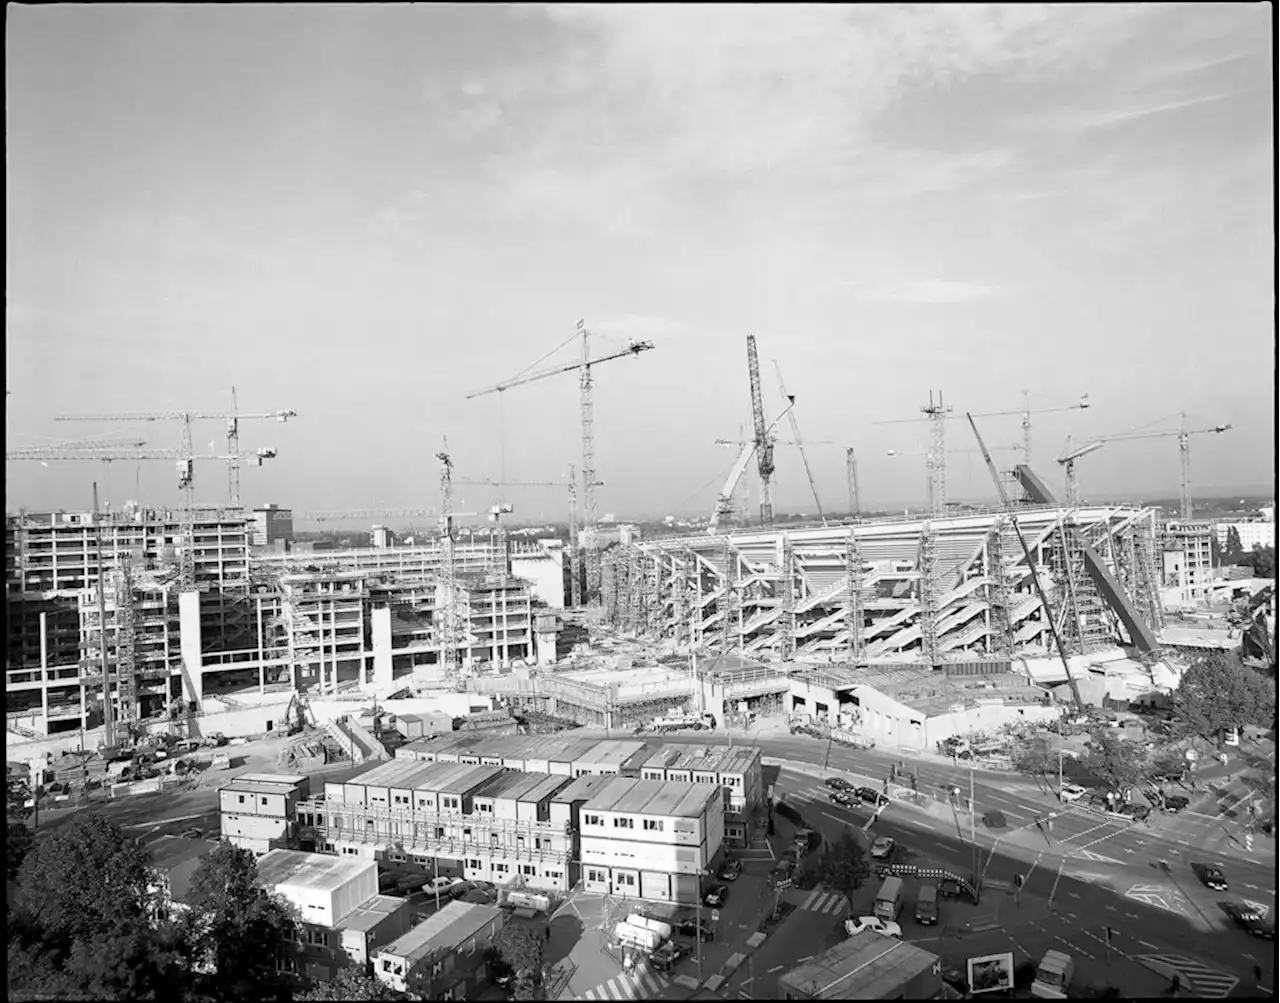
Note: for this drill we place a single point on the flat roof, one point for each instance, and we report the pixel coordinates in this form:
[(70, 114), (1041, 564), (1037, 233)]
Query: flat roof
[(242, 786), (867, 965), (370, 913), (612, 752), (288, 779), (548, 785), (673, 799), (466, 783), (443, 930), (503, 785), (582, 788), (311, 870), (388, 773)]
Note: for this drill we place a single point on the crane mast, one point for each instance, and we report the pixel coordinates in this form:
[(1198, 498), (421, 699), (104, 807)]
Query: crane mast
[(447, 603), (851, 473), (763, 445), (804, 458)]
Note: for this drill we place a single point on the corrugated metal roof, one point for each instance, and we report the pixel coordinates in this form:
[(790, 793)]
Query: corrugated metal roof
[(443, 931), (546, 787), (389, 773), (503, 785), (467, 782), (612, 753), (663, 757), (309, 870), (866, 966), (582, 789), (370, 913)]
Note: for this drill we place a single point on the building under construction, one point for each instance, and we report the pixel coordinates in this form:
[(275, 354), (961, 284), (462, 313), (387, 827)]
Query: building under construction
[(321, 622), (927, 591)]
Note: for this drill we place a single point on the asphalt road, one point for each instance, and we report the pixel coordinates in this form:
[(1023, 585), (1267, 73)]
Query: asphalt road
[(1152, 912)]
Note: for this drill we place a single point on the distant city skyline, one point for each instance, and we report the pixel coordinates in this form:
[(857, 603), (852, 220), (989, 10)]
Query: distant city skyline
[(366, 212)]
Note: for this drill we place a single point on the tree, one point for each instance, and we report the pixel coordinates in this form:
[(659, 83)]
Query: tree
[(350, 984), (1234, 548), (1035, 759), (1218, 693), (1116, 762), (18, 845), (235, 929), (844, 865), (520, 949), (17, 794), (1262, 560)]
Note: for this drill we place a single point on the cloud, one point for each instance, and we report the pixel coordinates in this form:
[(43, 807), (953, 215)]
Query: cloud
[(923, 291), (629, 106)]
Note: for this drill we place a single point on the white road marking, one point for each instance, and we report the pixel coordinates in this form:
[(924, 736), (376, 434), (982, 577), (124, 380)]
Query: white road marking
[(1145, 944)]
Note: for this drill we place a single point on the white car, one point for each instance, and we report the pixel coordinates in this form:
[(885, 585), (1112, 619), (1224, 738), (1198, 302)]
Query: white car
[(886, 928), (1071, 792), (439, 885), (882, 848)]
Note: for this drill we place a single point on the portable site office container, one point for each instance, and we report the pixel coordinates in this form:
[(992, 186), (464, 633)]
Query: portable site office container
[(662, 929), (636, 936)]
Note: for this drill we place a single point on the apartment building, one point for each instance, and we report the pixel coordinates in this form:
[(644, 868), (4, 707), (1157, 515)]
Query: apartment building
[(1188, 560), (474, 821), (651, 839), (269, 524), (344, 921), (259, 811), (445, 956), (1252, 534), (737, 771)]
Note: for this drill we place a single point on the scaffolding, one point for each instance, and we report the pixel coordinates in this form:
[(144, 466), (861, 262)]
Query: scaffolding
[(787, 583), (1001, 591), (727, 602), (927, 564), (126, 663), (635, 587), (655, 606), (853, 597)]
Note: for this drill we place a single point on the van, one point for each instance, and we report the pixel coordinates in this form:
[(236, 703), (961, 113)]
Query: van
[(636, 937), (889, 899), (1053, 977), (220, 763), (927, 905)]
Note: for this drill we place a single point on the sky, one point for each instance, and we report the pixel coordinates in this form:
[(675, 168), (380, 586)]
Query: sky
[(365, 213)]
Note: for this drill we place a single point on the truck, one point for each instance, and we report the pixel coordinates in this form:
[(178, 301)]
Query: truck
[(638, 937), (1053, 977), (889, 899), (662, 929)]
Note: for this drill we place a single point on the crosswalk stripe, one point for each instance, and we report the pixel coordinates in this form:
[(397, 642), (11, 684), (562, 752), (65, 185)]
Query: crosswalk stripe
[(808, 902)]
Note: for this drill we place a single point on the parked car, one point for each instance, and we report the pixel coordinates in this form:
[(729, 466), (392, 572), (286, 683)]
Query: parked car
[(882, 848), (1071, 792), (193, 834), (1253, 922), (1175, 803), (838, 784), (440, 884), (665, 957), (884, 927), (1213, 877), (842, 799), (730, 869), (872, 796), (715, 896), (1137, 812), (692, 928)]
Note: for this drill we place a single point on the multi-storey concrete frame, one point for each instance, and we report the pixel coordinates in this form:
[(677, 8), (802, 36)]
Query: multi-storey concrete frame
[(979, 599)]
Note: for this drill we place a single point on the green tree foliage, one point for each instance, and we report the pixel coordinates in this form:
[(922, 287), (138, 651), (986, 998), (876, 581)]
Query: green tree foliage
[(1034, 758), (18, 845), (1218, 693), (1116, 762), (235, 929), (520, 949), (844, 865), (17, 794), (350, 984), (1234, 549)]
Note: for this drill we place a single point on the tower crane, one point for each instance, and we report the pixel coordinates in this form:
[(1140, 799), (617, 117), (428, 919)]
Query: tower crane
[(851, 475), (587, 407), (233, 419), (763, 444), (1068, 459), (938, 415), (724, 501), (185, 458)]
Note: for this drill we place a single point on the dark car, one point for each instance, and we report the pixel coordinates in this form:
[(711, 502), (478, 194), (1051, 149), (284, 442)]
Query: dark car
[(692, 928), (665, 957), (872, 796), (1137, 812), (1253, 922), (843, 799), (1214, 878), (838, 784), (730, 870), (1174, 803), (715, 896)]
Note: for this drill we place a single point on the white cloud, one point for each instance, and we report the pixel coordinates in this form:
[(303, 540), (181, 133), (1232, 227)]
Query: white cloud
[(923, 291)]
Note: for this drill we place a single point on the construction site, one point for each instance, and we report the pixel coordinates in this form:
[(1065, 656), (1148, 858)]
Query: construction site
[(146, 616)]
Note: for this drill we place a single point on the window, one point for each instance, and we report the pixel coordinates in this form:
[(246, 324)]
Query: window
[(262, 801), (466, 832), (627, 879), (553, 875), (439, 832), (624, 823), (596, 876), (590, 819), (653, 824), (501, 868), (486, 807), (241, 797), (528, 869), (475, 865), (493, 838), (538, 842), (351, 851)]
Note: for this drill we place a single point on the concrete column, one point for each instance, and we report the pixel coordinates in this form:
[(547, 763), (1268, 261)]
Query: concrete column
[(44, 668), (380, 621), (189, 642)]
